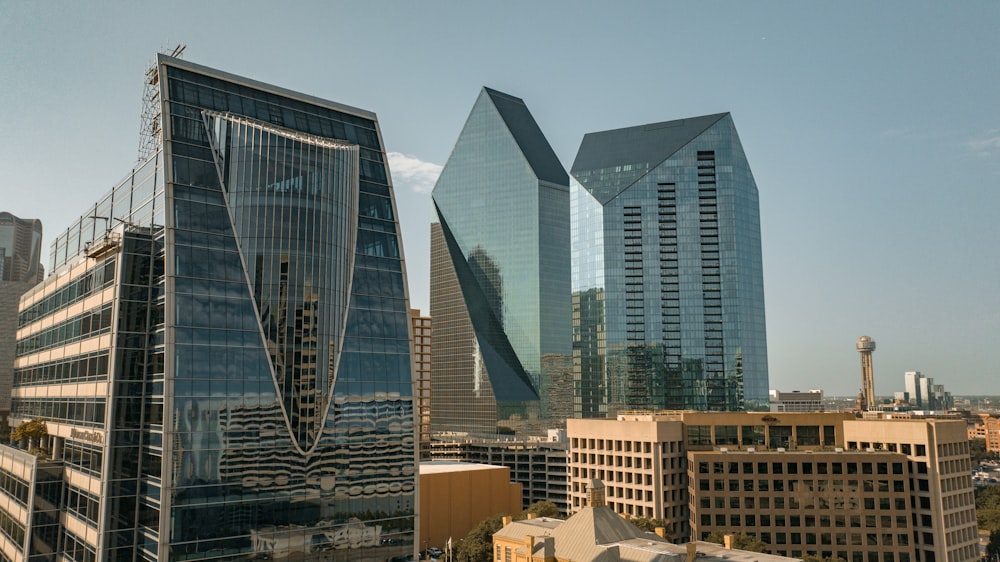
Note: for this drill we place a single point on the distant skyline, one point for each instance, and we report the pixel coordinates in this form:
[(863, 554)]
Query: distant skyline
[(873, 131)]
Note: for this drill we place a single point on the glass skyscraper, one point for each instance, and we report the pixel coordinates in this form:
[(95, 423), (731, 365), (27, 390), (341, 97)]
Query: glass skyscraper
[(222, 357), (500, 277), (668, 295)]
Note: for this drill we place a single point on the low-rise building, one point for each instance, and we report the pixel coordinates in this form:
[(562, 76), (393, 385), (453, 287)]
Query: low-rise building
[(596, 533), (456, 496), (538, 464)]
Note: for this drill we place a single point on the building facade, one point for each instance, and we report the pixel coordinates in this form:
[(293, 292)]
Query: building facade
[(456, 496), (20, 269), (539, 465), (795, 401), (422, 345), (222, 354), (823, 484), (668, 297), (500, 277)]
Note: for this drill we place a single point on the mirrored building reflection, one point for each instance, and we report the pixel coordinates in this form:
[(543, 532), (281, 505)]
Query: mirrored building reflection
[(500, 277), (668, 299), (222, 358)]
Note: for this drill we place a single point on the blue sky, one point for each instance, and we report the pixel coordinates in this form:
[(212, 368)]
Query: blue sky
[(873, 130)]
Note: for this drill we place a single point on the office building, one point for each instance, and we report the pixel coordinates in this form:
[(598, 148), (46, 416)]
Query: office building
[(668, 294), (222, 354), (422, 345), (500, 277), (20, 249), (596, 534), (851, 505), (943, 504), (825, 484), (796, 401), (20, 269), (537, 463)]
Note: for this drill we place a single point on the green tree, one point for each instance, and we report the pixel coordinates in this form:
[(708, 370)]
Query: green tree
[(650, 524), (988, 508), (477, 546), (993, 548), (741, 541), (541, 509), (978, 452)]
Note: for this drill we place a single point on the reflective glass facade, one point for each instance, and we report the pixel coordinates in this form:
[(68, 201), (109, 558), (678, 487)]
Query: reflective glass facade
[(500, 277), (259, 401), (668, 301)]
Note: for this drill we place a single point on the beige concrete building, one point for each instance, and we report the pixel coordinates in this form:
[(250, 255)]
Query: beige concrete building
[(456, 496), (596, 533), (652, 464), (943, 501), (853, 505)]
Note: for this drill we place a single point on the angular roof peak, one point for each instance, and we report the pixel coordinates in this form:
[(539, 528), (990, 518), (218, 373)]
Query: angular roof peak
[(528, 136), (641, 148)]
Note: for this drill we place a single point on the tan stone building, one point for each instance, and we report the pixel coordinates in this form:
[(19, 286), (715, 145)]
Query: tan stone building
[(456, 496), (943, 501), (853, 505), (987, 428), (914, 503)]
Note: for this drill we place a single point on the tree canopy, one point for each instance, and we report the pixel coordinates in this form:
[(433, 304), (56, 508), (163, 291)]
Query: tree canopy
[(649, 524), (988, 508), (978, 452), (477, 546), (741, 541)]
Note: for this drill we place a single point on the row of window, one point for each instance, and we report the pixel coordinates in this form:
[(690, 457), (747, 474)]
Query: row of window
[(736, 520), (795, 485), (775, 435), (88, 324), (91, 282), (720, 467), (14, 487), (12, 528), (87, 412), (82, 503), (82, 368)]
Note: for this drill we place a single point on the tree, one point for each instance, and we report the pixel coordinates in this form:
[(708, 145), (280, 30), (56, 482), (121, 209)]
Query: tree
[(993, 548), (978, 452), (650, 524), (32, 431), (477, 546), (541, 509), (741, 541), (988, 508)]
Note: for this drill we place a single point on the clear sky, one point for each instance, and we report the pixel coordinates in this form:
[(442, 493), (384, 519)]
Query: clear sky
[(873, 130)]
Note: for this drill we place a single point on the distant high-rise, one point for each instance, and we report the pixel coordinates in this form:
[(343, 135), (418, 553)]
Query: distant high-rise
[(20, 254), (668, 292), (20, 249), (500, 277)]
